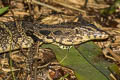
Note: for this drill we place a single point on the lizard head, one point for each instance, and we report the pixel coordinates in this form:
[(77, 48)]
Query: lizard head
[(91, 32), (78, 35)]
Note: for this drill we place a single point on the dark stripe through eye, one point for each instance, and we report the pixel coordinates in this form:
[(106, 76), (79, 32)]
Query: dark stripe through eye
[(48, 37), (45, 32)]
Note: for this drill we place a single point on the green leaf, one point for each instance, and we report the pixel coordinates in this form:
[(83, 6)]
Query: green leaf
[(3, 10), (74, 60), (110, 10), (115, 70), (93, 54)]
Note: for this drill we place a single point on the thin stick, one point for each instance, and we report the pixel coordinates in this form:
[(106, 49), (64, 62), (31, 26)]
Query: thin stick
[(46, 5)]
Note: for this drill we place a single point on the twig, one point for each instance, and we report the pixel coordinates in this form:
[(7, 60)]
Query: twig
[(68, 6), (117, 58), (46, 5)]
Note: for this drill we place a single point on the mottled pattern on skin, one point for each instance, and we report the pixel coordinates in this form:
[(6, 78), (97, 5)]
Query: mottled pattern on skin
[(18, 40), (66, 34), (71, 35)]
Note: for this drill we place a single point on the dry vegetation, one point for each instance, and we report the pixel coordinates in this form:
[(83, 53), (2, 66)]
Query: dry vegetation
[(55, 12)]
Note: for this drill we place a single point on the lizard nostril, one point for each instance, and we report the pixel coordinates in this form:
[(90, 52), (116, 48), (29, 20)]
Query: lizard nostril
[(77, 31)]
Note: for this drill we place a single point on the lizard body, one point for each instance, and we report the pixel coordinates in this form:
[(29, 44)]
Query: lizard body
[(66, 34)]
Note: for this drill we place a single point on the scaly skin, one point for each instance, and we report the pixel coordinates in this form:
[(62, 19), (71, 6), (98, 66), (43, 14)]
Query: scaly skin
[(66, 34)]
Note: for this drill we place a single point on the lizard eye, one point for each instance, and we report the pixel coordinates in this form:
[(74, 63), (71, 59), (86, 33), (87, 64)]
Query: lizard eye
[(58, 32)]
